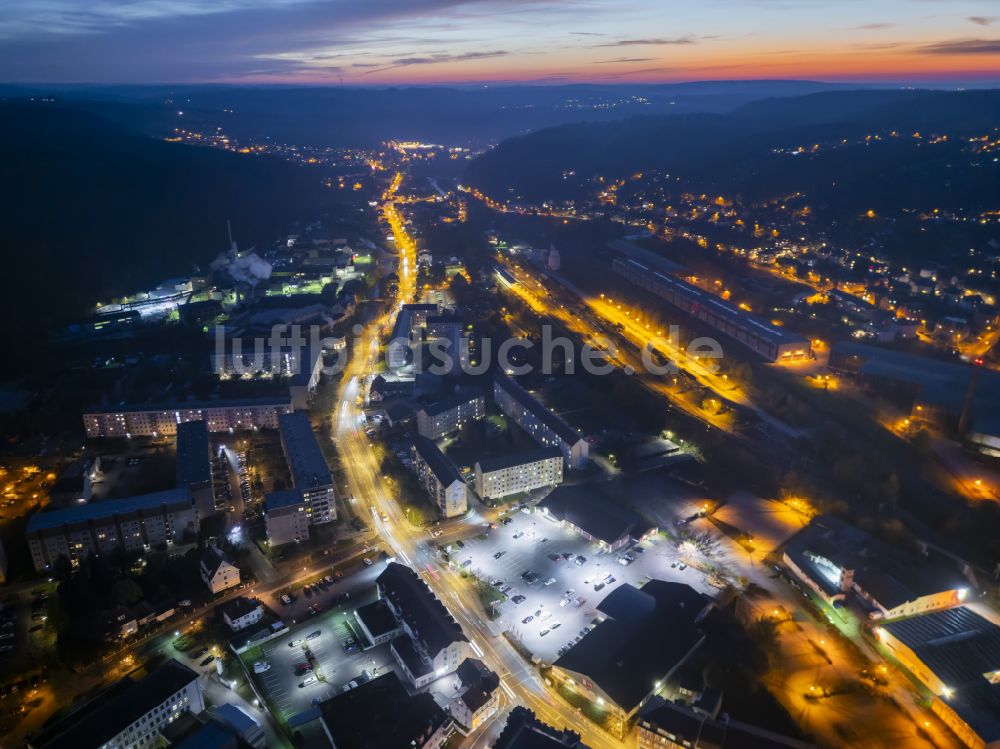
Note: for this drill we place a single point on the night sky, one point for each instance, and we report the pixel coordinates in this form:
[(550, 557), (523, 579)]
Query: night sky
[(369, 42)]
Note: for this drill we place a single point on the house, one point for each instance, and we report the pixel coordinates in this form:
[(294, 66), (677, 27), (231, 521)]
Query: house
[(433, 644), (242, 612), (524, 731), (217, 572), (477, 696)]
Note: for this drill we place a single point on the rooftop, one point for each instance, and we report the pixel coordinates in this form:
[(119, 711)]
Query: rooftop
[(194, 463), (600, 517), (377, 618), (381, 715), (303, 453), (423, 612), (170, 500), (458, 399), (556, 423), (442, 468), (240, 606), (689, 726), (523, 457), (118, 707), (524, 731), (193, 405), (962, 649), (647, 634), (282, 498)]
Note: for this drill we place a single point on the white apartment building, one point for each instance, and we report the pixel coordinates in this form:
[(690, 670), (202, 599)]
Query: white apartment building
[(505, 475), (451, 414), (162, 419)]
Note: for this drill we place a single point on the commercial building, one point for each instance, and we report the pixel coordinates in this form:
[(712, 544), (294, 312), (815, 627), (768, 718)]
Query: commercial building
[(595, 517), (194, 465), (837, 560), (524, 731), (645, 638), (289, 513), (155, 420), (504, 475), (217, 572), (439, 477), (478, 696), (433, 643), (769, 341), (451, 414), (380, 714), (668, 725), (956, 655), (132, 714), (242, 612), (133, 524), (545, 427)]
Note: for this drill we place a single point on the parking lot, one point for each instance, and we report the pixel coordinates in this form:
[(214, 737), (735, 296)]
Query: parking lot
[(561, 602), (332, 664)]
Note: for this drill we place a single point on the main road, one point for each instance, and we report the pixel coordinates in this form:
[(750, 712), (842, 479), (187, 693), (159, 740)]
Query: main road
[(520, 681)]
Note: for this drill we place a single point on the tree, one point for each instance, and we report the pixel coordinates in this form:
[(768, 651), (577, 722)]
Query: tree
[(126, 592)]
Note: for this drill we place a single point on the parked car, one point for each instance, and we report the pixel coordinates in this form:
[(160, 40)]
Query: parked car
[(286, 599), (311, 679), (549, 581), (207, 660), (261, 666)]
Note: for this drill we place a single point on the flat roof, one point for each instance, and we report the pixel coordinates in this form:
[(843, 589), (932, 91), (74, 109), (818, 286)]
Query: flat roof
[(306, 461), (101, 510), (278, 400), (194, 463), (453, 401), (638, 644), (520, 458), (554, 422), (282, 498)]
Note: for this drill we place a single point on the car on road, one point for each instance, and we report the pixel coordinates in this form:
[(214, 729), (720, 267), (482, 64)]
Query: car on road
[(261, 666), (328, 580), (309, 680), (549, 581)]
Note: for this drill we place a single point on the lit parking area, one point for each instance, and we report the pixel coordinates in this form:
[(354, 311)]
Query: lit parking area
[(560, 596), (305, 668)]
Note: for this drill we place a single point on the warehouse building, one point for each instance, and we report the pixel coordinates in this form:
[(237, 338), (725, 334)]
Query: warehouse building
[(594, 517), (956, 655)]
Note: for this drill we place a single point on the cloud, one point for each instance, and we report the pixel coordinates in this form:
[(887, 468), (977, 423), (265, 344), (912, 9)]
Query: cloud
[(649, 42), (982, 20), (586, 33), (873, 26), (963, 47), (437, 58), (625, 59)]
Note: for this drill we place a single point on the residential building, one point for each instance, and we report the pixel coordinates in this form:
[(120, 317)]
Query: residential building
[(410, 319), (646, 636), (451, 414), (288, 514), (380, 714), (242, 612), (524, 471), (477, 697), (129, 715), (596, 518), (655, 276), (669, 725), (194, 465), (433, 644), (440, 478), (155, 420), (377, 623), (955, 653), (133, 524), (524, 731), (545, 427), (837, 560), (217, 572)]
